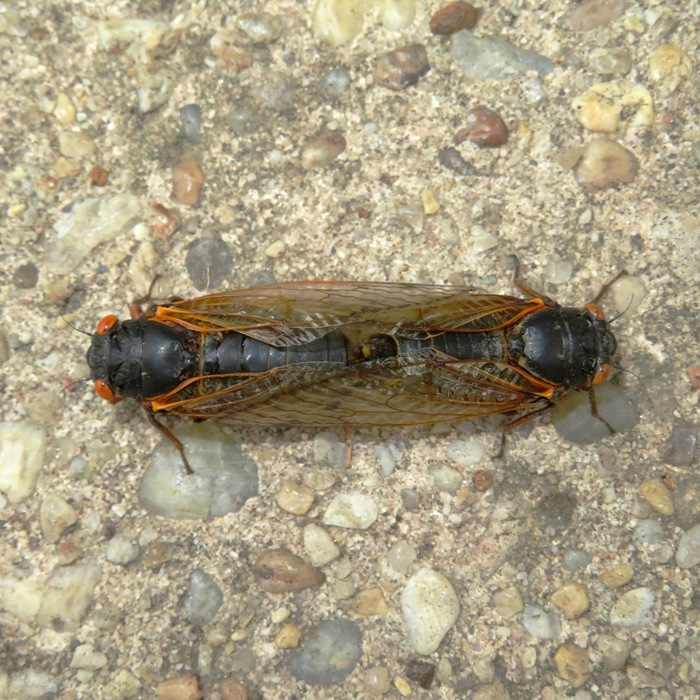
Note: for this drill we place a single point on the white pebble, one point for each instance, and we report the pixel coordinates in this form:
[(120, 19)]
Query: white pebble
[(22, 449), (634, 608), (482, 240), (352, 510), (430, 607), (688, 552), (319, 545), (540, 623), (55, 515), (466, 453), (85, 656), (122, 551)]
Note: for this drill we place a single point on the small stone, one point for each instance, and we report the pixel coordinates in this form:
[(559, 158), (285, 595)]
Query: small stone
[(614, 651), (370, 603), (180, 688), (396, 15), (602, 106), (688, 552), (122, 684), (618, 576), (260, 27), (275, 250), (430, 607), (429, 201), (377, 681), (573, 664), (484, 128), (188, 180), (644, 678), (295, 498), (669, 65), (323, 150), (572, 599), (338, 21), (86, 657), (68, 594), (482, 480), (482, 240), (328, 449), (453, 17), (288, 637), (508, 602), (73, 144), (401, 684), (591, 14), (421, 672), (576, 559), (204, 598), (401, 67), (452, 159), (65, 168), (64, 110), (281, 571), (230, 688), (446, 479), (401, 556), (605, 165), (541, 624), (208, 261), (627, 294), (319, 545), (611, 61), (55, 516), (634, 609), (329, 653), (351, 510), (121, 550), (682, 443), (98, 176), (191, 118), (22, 450), (649, 531), (657, 495)]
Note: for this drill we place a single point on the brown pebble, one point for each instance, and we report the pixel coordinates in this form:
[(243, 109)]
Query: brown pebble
[(370, 603), (484, 127), (591, 14), (573, 664), (453, 18), (401, 67), (421, 672), (26, 276), (164, 221), (281, 571), (181, 688), (231, 689), (451, 159), (693, 373), (322, 150), (98, 176), (188, 180), (604, 165), (482, 480)]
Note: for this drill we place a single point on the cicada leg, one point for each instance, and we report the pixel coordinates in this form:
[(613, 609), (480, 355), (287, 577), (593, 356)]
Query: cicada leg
[(168, 434)]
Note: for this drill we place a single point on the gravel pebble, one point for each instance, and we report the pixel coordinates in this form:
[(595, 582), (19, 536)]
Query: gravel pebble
[(351, 510), (618, 576), (400, 556), (573, 664), (492, 58), (204, 598), (329, 449), (281, 571), (453, 17), (208, 261), (73, 144), (592, 14), (370, 603), (294, 498), (55, 516), (319, 545), (68, 594), (657, 495), (22, 450), (329, 653), (188, 181), (484, 128), (613, 651), (430, 607), (634, 609), (605, 165), (508, 602), (337, 21), (401, 67), (681, 445), (446, 479), (191, 118), (688, 552), (121, 550), (181, 688), (572, 599), (85, 656), (649, 531), (541, 624), (323, 150)]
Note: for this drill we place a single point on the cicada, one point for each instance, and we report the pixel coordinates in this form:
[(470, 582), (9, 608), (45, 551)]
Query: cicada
[(353, 354)]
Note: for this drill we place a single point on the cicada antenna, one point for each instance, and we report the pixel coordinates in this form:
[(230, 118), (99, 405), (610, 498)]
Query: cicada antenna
[(75, 328)]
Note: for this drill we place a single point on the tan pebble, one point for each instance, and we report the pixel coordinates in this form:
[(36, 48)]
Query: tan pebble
[(370, 602), (612, 651), (188, 180), (275, 250), (323, 150), (295, 498), (65, 167), (402, 686), (55, 516), (605, 165), (669, 62), (64, 110), (181, 688), (640, 677), (572, 598), (508, 602), (288, 637), (573, 664), (453, 17), (591, 14), (618, 576), (599, 108), (401, 67), (73, 144), (657, 495), (232, 689), (281, 571), (429, 201)]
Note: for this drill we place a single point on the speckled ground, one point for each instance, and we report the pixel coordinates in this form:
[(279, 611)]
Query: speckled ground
[(360, 217)]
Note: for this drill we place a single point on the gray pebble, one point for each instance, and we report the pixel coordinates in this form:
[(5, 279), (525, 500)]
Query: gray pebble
[(204, 598), (191, 116), (329, 653)]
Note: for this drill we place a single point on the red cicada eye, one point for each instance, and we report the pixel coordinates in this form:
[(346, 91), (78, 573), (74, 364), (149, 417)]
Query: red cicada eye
[(595, 311), (601, 376), (103, 390), (106, 324)]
